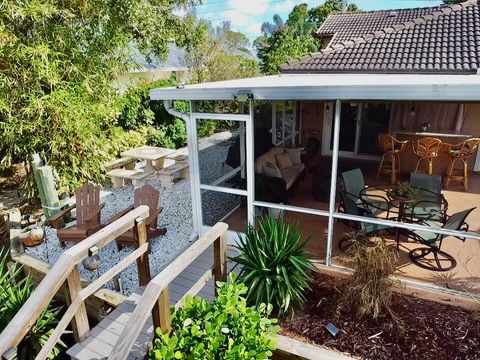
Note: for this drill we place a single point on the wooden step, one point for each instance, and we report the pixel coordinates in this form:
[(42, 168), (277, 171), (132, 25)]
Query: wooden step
[(103, 337)]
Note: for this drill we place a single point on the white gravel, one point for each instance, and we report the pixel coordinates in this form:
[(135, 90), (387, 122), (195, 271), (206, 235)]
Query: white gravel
[(176, 217)]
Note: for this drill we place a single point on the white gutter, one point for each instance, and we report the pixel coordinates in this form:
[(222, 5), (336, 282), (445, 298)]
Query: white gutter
[(172, 111)]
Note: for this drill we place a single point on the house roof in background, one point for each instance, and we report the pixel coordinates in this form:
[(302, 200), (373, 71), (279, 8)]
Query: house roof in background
[(349, 25), (445, 41), (173, 62)]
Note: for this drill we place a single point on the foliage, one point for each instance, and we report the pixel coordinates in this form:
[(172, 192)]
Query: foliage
[(275, 265), (221, 55), (224, 329), (403, 190), (171, 136), (15, 289), (281, 42), (370, 291), (136, 108), (59, 62)]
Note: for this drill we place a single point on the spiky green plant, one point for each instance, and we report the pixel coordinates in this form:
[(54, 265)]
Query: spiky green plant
[(275, 266), (15, 289)]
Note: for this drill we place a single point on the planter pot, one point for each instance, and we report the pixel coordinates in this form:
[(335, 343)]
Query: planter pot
[(276, 213)]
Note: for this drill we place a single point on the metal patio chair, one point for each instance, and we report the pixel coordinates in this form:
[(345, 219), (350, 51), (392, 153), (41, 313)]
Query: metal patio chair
[(367, 229), (354, 183), (432, 205), (434, 241)]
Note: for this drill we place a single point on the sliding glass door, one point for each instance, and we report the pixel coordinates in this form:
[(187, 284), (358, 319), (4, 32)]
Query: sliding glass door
[(360, 124)]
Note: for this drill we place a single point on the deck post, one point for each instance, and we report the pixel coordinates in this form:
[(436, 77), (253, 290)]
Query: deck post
[(220, 259), (143, 265), (161, 312), (80, 325)]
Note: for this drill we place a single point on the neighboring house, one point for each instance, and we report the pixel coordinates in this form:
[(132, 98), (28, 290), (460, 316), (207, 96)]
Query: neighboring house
[(150, 69)]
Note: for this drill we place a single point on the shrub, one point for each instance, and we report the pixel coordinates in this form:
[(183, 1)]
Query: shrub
[(14, 292), (172, 136), (136, 108), (224, 329), (275, 265), (369, 293)]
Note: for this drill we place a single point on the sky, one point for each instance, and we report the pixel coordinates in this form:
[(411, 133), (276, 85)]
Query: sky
[(247, 16)]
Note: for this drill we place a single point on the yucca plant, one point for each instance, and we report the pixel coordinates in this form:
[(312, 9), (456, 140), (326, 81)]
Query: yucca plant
[(15, 289), (274, 264)]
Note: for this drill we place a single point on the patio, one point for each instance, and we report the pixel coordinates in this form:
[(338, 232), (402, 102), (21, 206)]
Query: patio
[(464, 277)]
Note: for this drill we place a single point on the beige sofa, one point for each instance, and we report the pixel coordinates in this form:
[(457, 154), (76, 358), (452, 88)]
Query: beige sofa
[(288, 174)]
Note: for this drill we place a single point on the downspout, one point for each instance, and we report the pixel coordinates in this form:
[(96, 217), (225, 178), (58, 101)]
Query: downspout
[(171, 110), (192, 148)]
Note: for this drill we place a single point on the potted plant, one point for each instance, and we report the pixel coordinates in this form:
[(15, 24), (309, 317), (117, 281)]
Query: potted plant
[(403, 191)]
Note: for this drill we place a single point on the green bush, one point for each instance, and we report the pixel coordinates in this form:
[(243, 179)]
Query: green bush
[(172, 136), (136, 108), (224, 329), (15, 289), (275, 265)]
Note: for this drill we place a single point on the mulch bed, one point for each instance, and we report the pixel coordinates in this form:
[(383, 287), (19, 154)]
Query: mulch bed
[(427, 330)]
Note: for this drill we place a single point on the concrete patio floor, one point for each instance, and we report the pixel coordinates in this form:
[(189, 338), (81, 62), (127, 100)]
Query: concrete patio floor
[(464, 277)]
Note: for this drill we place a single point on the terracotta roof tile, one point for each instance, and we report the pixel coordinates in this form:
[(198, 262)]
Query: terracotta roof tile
[(439, 39)]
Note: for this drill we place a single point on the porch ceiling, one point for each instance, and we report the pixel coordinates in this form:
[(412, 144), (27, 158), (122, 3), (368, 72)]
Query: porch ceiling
[(333, 86)]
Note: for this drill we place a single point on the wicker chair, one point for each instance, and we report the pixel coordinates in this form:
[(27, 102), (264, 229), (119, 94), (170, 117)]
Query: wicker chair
[(391, 149), (460, 153), (427, 149)]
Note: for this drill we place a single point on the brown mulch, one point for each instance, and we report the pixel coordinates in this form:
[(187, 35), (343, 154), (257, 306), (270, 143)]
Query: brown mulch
[(424, 329)]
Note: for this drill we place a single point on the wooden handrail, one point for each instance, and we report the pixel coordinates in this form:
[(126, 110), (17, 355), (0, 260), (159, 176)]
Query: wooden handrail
[(155, 296), (65, 268)]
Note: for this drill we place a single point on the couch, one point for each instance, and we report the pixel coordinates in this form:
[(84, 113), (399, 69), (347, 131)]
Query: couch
[(274, 163)]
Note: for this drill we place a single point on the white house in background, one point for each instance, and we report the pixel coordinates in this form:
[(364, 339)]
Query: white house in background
[(153, 69)]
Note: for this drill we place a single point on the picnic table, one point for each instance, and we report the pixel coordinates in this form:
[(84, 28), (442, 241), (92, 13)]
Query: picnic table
[(150, 154)]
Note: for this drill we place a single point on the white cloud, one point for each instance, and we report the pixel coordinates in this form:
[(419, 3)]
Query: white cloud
[(252, 7)]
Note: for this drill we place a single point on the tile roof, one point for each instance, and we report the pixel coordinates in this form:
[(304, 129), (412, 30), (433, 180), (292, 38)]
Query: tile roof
[(446, 40), (350, 25)]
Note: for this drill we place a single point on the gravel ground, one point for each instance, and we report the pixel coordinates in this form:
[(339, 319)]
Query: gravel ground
[(176, 217)]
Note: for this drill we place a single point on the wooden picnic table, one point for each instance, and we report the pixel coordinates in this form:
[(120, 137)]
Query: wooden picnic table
[(149, 154)]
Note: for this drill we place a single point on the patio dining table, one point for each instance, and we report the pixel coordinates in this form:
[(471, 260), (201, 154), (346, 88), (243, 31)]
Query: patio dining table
[(149, 154), (398, 206)]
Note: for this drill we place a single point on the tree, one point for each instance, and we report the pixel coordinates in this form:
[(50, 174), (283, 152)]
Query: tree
[(282, 42), (222, 54), (58, 63)]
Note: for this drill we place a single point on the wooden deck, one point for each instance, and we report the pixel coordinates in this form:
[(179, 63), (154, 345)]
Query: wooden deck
[(103, 337)]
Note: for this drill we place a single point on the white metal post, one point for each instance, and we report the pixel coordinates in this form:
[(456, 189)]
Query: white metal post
[(250, 165), (194, 169), (333, 181), (242, 143)]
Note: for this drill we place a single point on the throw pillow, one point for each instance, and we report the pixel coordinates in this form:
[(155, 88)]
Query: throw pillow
[(271, 170), (295, 155), (283, 161)]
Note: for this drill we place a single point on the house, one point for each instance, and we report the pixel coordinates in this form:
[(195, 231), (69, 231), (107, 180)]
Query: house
[(150, 68), (411, 73)]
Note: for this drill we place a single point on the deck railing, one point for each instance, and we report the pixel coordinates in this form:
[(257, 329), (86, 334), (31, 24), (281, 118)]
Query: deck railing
[(66, 270), (155, 298)]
